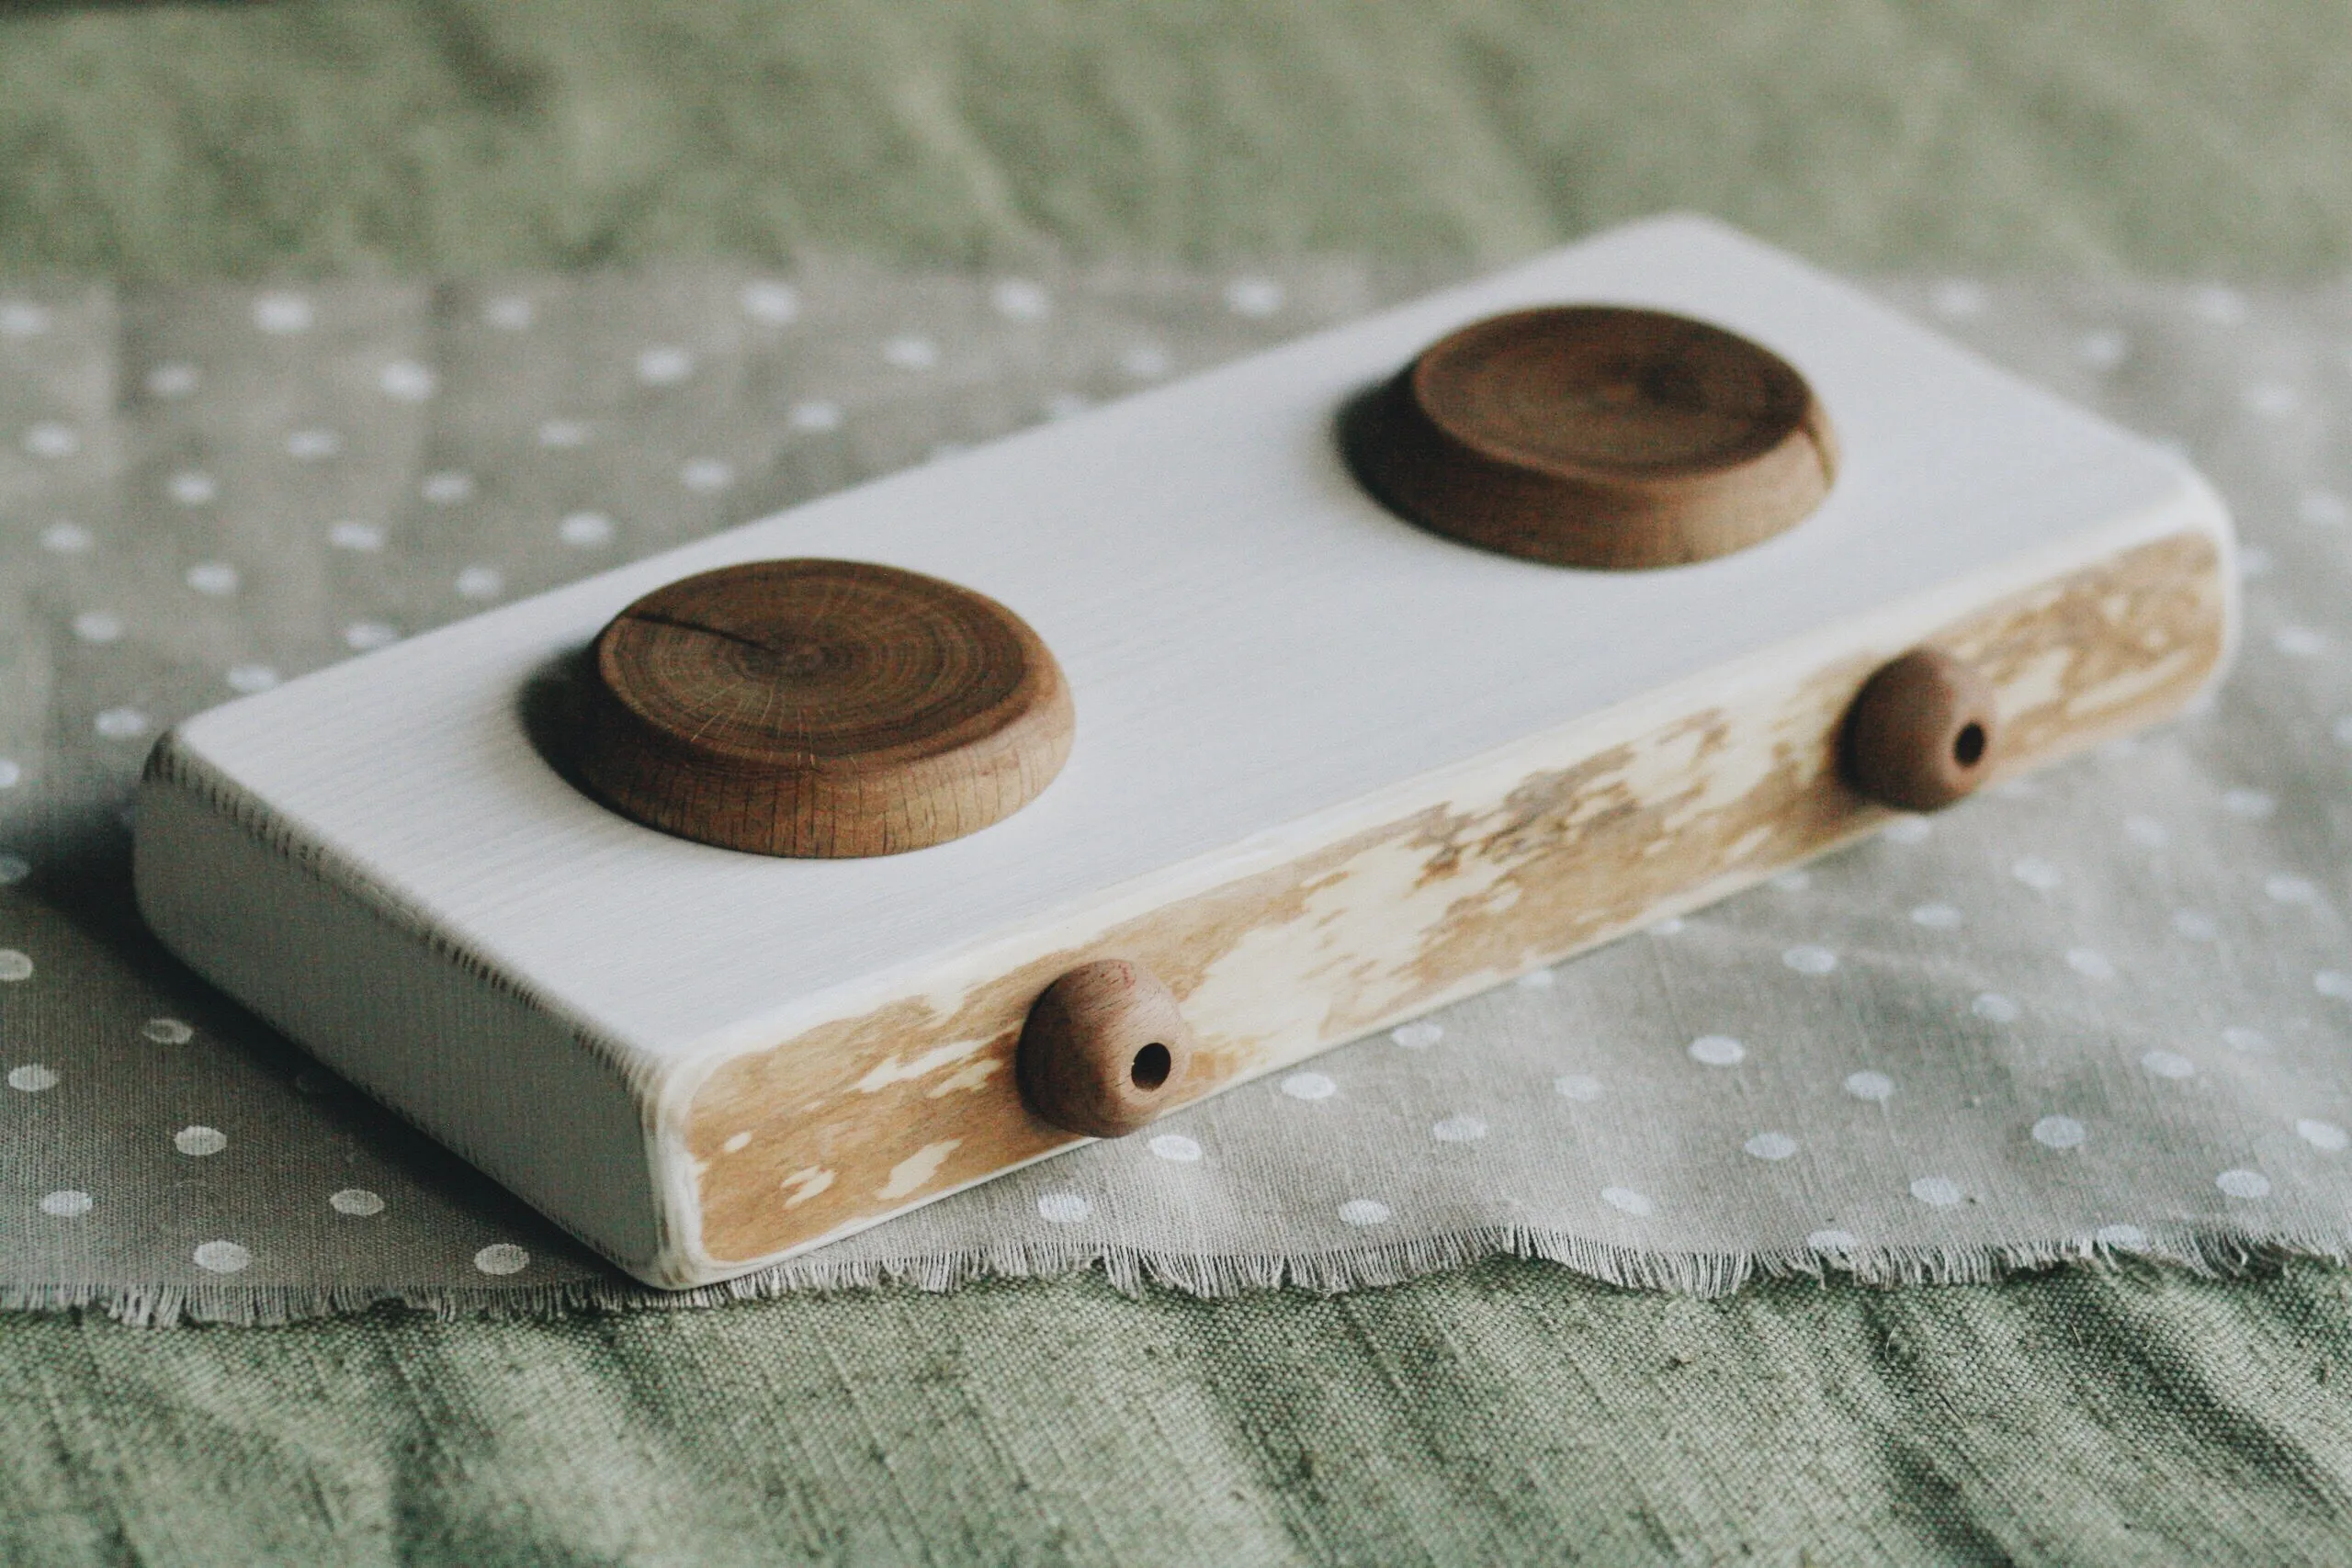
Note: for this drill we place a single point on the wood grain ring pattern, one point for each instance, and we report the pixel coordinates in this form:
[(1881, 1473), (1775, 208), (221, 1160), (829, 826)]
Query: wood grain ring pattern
[(822, 709), (1597, 436)]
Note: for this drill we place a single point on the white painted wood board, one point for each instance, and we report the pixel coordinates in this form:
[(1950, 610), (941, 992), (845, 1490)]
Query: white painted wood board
[(1264, 662)]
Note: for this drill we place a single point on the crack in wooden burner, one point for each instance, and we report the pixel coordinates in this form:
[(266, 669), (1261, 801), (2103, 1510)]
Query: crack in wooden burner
[(836, 709)]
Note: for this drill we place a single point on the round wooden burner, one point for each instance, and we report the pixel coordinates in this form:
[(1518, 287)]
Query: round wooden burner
[(821, 708), (1594, 436)]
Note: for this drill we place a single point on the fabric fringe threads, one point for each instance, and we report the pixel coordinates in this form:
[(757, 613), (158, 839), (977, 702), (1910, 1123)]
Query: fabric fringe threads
[(2205, 1253)]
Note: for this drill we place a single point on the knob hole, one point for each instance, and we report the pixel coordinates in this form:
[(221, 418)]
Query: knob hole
[(1968, 746), (1150, 1070)]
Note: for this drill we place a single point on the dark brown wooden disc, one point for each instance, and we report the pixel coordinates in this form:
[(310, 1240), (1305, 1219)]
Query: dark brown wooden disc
[(821, 708), (1597, 436)]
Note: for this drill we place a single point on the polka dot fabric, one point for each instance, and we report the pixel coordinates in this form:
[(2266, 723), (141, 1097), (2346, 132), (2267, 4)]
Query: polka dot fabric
[(2104, 1010)]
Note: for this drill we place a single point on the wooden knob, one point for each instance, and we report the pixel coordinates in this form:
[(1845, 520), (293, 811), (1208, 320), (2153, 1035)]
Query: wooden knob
[(1923, 732), (821, 708), (1595, 435), (1104, 1050)]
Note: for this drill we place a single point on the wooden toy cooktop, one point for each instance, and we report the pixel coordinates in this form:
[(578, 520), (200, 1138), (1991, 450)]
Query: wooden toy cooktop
[(1326, 768)]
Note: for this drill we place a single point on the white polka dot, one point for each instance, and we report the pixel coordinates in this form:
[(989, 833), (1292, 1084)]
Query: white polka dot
[(98, 627), (1770, 1145), (2146, 831), (2036, 872), (2333, 983), (1908, 830), (2169, 1065), (247, 679), (15, 965), (223, 1256), (1995, 1007), (585, 530), (312, 446), (1253, 297), (1537, 980), (1869, 1085), (2222, 306), (66, 539), (172, 381), (167, 1031), (2237, 1037), (815, 415), (2101, 350), (2298, 642), (771, 303), (2195, 925), (1717, 1051), (2058, 1132), (282, 313), (14, 868), (355, 535), (404, 380), (1937, 916), (447, 488), (707, 474), (2124, 1238), (2244, 1183), (564, 432), (212, 577), (200, 1141), (1063, 1208), (911, 353), (664, 365), (501, 1257), (1627, 1200), (2251, 804), (2343, 731), (1793, 881), (66, 1204), (2322, 509), (1020, 299), (2254, 561), (1671, 926), (2271, 399), (191, 488), (50, 439), (365, 635), (1832, 1241), (1464, 1129), (32, 1079), (1418, 1036), (1937, 1191), (1364, 1212), (1582, 1087), (1309, 1085), (1176, 1148), (1957, 298), (22, 317), (1807, 959), (509, 313), (357, 1202), (12, 772), (2089, 963), (2291, 890), (481, 582), (2324, 1136), (120, 724), (1144, 363)]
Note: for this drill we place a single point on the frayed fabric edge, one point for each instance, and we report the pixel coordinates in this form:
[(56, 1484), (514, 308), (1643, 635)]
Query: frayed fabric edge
[(1132, 1270)]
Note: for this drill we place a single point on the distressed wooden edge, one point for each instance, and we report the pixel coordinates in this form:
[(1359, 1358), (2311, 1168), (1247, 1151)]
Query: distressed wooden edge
[(943, 1036)]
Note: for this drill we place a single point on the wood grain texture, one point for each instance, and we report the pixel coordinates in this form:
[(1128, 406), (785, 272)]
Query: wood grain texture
[(1597, 436), (1104, 1050), (821, 708), (865, 1116)]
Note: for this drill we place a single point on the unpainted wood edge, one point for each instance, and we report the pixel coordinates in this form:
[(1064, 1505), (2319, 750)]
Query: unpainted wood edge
[(2194, 513)]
